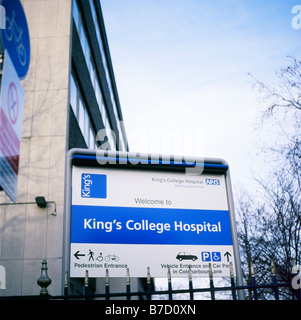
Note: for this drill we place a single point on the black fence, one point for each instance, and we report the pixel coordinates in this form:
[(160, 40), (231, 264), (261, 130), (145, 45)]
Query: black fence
[(252, 291), (236, 291)]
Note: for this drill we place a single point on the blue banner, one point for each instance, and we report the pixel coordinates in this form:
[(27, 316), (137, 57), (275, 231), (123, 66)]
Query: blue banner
[(15, 36), (160, 226)]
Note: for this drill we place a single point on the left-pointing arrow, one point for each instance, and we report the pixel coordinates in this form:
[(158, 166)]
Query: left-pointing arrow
[(77, 255)]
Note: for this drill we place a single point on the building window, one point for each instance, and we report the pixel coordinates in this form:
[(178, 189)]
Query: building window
[(73, 95), (81, 116), (81, 113), (106, 68), (76, 15), (80, 109), (92, 141)]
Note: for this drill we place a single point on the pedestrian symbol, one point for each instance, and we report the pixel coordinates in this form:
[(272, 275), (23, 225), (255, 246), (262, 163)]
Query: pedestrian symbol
[(91, 255)]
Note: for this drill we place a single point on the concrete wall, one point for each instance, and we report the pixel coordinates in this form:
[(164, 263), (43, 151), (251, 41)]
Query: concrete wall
[(29, 234)]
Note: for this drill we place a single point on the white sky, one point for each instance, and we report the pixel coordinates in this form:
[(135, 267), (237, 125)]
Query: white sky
[(181, 68)]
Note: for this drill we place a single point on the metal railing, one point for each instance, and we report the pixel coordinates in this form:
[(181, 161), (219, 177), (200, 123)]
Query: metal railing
[(235, 291)]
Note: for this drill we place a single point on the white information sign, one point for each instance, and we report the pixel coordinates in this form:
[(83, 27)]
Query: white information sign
[(127, 218)]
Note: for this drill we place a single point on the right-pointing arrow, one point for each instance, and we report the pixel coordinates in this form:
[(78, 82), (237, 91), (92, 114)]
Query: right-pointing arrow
[(228, 254)]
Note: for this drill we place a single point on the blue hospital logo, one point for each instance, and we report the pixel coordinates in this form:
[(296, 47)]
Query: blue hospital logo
[(93, 185), (213, 182)]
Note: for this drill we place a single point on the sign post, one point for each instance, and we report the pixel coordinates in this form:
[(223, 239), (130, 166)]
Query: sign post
[(132, 212)]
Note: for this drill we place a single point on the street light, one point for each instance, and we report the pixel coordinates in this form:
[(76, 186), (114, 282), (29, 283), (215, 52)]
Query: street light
[(40, 202)]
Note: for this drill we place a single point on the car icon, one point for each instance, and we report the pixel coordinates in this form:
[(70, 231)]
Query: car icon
[(186, 256)]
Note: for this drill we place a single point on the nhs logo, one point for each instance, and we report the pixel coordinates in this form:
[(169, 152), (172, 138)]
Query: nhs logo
[(213, 182), (93, 185)]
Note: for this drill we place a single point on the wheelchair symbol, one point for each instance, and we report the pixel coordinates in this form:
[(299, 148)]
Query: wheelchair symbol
[(216, 256)]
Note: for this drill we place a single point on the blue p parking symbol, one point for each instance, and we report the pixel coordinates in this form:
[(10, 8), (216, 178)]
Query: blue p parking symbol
[(206, 256)]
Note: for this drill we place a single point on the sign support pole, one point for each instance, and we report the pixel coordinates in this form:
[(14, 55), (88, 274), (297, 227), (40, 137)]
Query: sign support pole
[(239, 276)]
